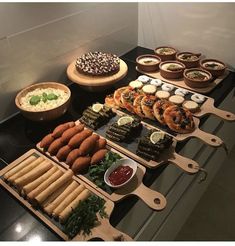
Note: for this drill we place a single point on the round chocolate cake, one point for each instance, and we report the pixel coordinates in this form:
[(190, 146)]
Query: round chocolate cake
[(98, 64)]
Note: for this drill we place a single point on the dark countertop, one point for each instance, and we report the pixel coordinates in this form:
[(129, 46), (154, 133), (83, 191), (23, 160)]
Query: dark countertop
[(18, 135)]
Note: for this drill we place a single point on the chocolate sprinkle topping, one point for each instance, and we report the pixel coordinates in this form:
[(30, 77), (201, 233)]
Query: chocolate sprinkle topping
[(98, 63)]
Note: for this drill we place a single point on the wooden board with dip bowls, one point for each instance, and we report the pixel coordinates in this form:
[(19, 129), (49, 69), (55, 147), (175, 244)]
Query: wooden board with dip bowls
[(152, 198), (95, 83), (181, 83), (102, 230), (43, 115)]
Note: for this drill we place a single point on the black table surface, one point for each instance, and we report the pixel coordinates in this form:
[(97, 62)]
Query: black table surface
[(18, 135)]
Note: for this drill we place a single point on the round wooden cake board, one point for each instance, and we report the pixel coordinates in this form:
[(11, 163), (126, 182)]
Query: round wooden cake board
[(95, 81)]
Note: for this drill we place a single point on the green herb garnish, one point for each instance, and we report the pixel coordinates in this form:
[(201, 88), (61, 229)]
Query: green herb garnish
[(84, 216), (34, 100), (44, 97), (52, 96), (96, 172)]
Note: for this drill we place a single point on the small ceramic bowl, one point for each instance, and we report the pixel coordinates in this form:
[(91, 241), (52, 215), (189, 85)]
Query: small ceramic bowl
[(121, 162), (210, 66), (148, 63), (166, 53), (197, 83), (45, 115), (170, 74), (189, 59)]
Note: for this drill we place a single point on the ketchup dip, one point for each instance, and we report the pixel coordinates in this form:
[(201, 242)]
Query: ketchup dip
[(120, 175)]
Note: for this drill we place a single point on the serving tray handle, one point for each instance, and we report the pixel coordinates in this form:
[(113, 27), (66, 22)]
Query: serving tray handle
[(209, 108), (208, 138), (188, 165), (152, 198), (107, 232)]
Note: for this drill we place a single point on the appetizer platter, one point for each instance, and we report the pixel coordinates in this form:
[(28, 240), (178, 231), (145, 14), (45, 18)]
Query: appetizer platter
[(184, 69), (70, 207), (96, 71), (89, 156), (198, 104), (154, 109)]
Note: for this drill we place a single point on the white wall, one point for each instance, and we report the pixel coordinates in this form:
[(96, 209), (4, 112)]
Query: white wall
[(39, 40), (208, 28)]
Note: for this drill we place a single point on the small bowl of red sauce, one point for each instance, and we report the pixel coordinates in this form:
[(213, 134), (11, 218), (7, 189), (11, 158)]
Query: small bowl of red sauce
[(120, 173)]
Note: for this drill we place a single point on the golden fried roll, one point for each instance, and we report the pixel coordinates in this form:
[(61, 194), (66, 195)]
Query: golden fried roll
[(19, 167), (158, 109), (117, 96), (147, 106), (33, 185), (137, 106), (66, 212)]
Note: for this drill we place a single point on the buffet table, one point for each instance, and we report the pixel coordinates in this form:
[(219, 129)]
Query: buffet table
[(132, 216)]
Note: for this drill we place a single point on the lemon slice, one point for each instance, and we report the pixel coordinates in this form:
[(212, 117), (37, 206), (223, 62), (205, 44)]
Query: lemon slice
[(97, 107), (125, 120), (156, 136)]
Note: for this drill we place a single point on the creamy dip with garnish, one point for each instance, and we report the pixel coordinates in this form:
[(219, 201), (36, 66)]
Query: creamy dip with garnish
[(148, 61), (43, 99), (197, 75), (169, 66), (165, 51), (188, 57), (213, 65)]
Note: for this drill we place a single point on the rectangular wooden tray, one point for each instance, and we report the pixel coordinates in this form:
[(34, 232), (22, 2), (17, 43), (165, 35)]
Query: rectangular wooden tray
[(181, 83), (103, 230), (207, 107), (152, 198)]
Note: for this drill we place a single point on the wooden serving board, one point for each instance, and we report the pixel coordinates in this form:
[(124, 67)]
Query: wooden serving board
[(153, 199), (181, 83), (207, 138), (207, 107), (103, 230), (95, 81)]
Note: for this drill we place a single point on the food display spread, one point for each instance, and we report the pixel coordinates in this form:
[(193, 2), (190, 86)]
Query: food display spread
[(52, 189), (153, 101), (98, 63)]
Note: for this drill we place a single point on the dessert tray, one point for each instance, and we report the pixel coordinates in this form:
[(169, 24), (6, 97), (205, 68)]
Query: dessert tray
[(180, 82), (95, 81), (102, 229)]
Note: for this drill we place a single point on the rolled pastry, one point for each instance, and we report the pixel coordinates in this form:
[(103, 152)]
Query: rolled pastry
[(66, 212), (43, 186), (54, 186), (26, 169), (67, 201), (70, 189), (31, 186), (33, 174), (17, 168)]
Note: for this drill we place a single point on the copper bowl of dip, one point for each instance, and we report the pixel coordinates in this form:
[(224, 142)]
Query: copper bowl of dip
[(148, 63), (197, 82), (176, 72), (215, 67), (189, 59), (166, 53)]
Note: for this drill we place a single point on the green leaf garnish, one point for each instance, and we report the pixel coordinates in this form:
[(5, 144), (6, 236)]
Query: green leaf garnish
[(52, 96), (34, 100)]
